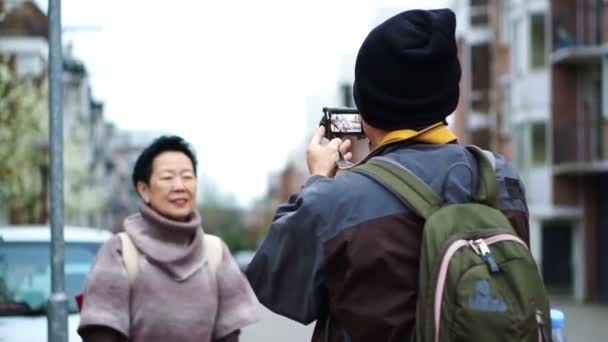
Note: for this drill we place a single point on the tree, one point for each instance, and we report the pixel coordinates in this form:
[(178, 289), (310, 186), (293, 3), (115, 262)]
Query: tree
[(23, 147), (227, 223), (84, 195), (222, 218)]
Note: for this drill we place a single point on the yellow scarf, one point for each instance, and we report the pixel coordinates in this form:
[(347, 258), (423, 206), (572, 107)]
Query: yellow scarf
[(438, 134)]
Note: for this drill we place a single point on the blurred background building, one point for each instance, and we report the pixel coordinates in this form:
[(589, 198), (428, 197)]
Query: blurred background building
[(98, 157), (534, 88)]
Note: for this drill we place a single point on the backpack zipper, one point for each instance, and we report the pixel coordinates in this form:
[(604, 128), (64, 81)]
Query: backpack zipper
[(479, 246)]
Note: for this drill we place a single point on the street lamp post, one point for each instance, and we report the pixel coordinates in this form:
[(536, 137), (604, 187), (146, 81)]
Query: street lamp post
[(57, 309)]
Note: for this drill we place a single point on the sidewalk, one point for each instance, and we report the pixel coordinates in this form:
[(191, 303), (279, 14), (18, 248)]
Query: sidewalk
[(275, 328), (584, 322)]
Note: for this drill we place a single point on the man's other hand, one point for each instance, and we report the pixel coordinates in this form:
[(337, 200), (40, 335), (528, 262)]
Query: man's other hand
[(321, 159)]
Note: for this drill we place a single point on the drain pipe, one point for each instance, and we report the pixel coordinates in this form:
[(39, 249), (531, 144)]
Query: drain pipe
[(603, 83), (598, 20)]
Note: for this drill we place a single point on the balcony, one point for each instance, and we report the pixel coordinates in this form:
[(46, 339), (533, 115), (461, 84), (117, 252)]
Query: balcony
[(480, 78), (579, 35), (580, 147), (579, 55), (478, 84)]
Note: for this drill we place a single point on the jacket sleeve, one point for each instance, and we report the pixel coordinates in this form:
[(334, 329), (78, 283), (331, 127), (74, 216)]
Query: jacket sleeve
[(286, 271), (107, 292)]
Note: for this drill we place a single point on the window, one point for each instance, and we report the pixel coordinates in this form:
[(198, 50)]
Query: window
[(479, 13), (346, 91), (537, 41), (480, 79), (29, 65), (539, 143), (25, 275), (72, 99)]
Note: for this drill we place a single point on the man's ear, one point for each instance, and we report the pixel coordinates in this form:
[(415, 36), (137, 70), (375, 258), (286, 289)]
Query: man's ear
[(144, 191)]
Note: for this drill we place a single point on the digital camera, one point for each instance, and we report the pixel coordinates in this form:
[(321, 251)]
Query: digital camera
[(342, 122)]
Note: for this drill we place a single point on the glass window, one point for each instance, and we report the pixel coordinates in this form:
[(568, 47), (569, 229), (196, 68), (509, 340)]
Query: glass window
[(346, 91), (29, 65), (537, 41), (479, 12), (72, 99), (25, 275), (539, 143)]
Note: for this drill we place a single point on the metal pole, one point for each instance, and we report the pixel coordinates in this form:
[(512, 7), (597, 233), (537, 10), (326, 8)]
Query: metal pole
[(57, 307)]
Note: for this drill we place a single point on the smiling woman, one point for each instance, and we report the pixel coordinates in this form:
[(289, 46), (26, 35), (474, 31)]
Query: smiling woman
[(167, 183), (206, 296)]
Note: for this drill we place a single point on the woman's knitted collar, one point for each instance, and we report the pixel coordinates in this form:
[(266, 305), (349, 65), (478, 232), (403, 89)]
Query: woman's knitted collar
[(173, 246)]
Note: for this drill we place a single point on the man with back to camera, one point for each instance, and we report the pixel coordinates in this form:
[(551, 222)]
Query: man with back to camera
[(343, 250)]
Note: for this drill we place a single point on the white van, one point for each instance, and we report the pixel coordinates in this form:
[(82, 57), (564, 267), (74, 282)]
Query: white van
[(25, 278)]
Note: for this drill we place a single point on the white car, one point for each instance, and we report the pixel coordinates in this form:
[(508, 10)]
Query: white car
[(25, 278)]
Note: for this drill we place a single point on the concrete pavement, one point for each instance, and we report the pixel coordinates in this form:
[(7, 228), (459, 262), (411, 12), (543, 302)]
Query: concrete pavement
[(275, 328), (584, 323)]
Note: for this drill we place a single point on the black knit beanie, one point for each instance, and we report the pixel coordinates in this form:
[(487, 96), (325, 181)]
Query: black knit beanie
[(407, 71)]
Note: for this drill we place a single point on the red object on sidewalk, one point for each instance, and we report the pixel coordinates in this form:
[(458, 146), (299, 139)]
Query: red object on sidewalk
[(79, 300)]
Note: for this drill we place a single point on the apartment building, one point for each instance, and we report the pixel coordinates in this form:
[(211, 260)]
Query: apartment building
[(534, 89), (578, 66)]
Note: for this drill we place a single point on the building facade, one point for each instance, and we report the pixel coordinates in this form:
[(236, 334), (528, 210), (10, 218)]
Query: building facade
[(544, 65), (98, 157), (577, 64)]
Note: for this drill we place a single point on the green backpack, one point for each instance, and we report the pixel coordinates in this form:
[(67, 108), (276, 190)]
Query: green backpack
[(478, 281)]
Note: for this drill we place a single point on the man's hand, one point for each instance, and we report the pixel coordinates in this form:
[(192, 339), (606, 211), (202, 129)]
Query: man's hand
[(321, 159)]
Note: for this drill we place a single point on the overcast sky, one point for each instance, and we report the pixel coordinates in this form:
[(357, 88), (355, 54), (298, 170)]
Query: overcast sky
[(232, 77)]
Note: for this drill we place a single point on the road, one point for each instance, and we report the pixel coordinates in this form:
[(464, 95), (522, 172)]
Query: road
[(274, 328), (584, 323)]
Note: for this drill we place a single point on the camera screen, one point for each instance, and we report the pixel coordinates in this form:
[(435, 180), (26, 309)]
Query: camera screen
[(346, 123)]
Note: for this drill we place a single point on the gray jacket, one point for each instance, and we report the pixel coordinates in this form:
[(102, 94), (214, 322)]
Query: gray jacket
[(345, 251)]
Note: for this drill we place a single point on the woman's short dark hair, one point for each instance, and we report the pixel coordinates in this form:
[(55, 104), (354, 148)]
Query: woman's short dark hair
[(143, 165)]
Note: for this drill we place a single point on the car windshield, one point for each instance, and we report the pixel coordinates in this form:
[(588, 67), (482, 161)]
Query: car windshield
[(25, 275)]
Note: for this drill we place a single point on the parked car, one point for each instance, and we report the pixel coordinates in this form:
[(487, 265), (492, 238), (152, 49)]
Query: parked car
[(25, 278)]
